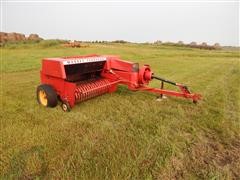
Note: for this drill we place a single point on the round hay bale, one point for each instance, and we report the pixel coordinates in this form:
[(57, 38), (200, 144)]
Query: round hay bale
[(3, 37), (20, 37), (34, 37), (217, 45), (12, 37)]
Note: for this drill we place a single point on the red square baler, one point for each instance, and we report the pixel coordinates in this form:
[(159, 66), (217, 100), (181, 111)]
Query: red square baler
[(78, 78)]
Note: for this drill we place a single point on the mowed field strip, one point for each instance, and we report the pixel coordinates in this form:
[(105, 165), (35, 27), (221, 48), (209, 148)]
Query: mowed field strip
[(123, 135)]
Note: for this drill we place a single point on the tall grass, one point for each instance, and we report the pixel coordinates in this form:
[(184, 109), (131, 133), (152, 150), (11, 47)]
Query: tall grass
[(124, 135)]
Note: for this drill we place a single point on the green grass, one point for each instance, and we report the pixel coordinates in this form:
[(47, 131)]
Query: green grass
[(124, 135)]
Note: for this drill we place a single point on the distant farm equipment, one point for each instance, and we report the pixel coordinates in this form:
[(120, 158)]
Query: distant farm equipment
[(74, 44)]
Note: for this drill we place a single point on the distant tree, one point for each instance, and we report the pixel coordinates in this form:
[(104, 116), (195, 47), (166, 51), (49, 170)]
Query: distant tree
[(158, 42), (119, 41), (169, 43), (193, 43), (180, 43)]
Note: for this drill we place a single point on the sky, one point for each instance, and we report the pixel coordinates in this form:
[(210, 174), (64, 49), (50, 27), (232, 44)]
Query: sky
[(136, 21)]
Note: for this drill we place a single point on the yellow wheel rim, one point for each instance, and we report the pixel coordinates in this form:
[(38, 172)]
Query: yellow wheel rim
[(43, 98)]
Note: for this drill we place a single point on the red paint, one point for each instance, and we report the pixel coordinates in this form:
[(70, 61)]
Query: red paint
[(79, 78)]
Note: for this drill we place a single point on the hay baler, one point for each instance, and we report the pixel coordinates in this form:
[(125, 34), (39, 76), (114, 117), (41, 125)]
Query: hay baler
[(79, 78)]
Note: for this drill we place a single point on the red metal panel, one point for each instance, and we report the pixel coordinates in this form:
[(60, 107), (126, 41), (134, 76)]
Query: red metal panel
[(121, 65), (53, 68)]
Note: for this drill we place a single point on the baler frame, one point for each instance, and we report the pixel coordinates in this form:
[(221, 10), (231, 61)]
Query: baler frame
[(79, 78)]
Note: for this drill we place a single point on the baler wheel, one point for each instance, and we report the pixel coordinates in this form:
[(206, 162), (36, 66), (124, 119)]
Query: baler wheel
[(46, 96), (65, 106)]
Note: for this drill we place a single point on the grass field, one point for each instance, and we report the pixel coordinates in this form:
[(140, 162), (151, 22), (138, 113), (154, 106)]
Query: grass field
[(124, 135)]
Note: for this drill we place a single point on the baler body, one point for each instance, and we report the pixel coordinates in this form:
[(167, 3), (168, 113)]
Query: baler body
[(78, 78)]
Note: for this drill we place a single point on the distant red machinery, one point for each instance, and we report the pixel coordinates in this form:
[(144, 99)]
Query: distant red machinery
[(78, 78)]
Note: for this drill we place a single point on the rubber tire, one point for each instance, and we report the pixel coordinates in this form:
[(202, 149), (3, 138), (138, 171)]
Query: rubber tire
[(52, 100), (66, 107)]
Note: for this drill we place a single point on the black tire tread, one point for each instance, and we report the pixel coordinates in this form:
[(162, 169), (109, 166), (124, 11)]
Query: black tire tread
[(51, 95)]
